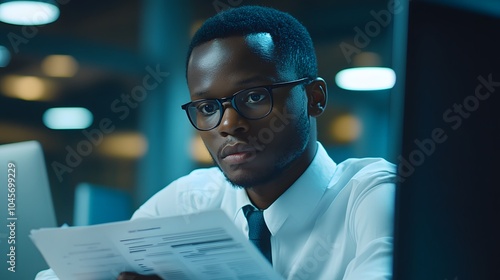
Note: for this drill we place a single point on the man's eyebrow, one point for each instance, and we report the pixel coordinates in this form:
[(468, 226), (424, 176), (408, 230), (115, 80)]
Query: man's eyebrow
[(256, 80), (200, 94)]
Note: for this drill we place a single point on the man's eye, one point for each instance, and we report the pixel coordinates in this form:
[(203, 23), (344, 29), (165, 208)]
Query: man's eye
[(207, 108), (255, 97)]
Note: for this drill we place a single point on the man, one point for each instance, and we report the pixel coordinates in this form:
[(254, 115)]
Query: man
[(255, 96)]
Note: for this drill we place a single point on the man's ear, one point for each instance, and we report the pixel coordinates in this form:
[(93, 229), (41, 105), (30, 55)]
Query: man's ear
[(317, 96)]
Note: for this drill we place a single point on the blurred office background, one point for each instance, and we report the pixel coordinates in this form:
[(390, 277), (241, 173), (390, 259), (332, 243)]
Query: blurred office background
[(123, 61), (96, 55)]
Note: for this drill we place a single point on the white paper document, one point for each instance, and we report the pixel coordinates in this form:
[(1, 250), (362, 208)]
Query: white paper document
[(204, 245)]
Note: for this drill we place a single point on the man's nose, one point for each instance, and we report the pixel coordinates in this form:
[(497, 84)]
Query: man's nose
[(232, 122)]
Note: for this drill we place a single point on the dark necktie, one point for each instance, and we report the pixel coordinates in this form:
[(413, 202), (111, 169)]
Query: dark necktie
[(258, 232)]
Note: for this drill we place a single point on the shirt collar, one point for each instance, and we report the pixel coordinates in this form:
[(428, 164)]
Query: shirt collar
[(298, 202), (242, 200)]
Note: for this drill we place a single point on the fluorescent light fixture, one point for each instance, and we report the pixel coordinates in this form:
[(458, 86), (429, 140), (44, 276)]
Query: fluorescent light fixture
[(67, 118), (345, 128), (199, 151), (28, 12), (126, 145), (61, 66), (366, 78), (4, 56), (28, 88)]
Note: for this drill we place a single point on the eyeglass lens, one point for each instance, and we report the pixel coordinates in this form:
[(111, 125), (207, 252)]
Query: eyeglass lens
[(252, 104)]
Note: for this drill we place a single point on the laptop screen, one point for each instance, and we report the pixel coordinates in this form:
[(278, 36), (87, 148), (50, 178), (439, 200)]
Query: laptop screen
[(25, 204)]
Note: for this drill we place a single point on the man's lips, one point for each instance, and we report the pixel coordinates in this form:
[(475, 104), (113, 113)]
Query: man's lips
[(237, 153)]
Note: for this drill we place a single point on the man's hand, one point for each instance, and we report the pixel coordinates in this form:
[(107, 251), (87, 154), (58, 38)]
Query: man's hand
[(135, 276)]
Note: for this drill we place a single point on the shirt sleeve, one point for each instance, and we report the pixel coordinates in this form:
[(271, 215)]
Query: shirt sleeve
[(372, 227), (201, 190), (163, 203)]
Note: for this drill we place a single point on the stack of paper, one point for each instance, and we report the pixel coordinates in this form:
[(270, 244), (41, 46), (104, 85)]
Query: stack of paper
[(204, 245)]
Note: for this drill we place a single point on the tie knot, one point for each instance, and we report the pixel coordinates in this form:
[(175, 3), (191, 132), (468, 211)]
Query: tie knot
[(257, 227)]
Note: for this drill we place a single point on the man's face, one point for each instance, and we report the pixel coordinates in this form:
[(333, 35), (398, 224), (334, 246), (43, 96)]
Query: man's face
[(249, 152)]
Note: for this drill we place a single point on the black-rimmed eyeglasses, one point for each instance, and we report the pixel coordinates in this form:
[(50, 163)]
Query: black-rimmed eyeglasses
[(252, 103)]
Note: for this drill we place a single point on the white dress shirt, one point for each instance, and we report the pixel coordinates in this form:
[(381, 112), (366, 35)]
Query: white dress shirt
[(334, 222)]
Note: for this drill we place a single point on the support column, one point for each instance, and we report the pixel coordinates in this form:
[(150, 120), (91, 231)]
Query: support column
[(165, 38)]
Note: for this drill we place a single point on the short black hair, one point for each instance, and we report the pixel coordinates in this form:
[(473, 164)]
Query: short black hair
[(292, 42)]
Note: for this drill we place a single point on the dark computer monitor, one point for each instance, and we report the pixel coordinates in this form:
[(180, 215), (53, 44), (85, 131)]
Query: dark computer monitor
[(448, 198)]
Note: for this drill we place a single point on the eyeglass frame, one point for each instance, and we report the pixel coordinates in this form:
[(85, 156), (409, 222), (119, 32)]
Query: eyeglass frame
[(221, 101)]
